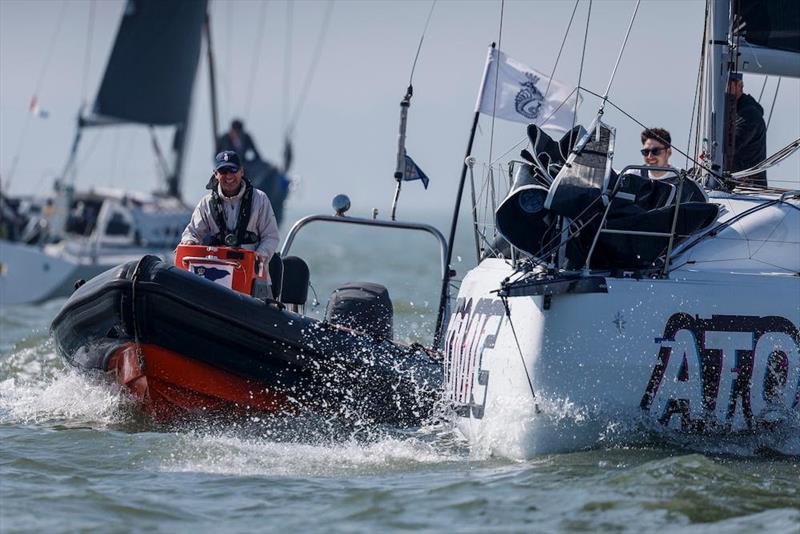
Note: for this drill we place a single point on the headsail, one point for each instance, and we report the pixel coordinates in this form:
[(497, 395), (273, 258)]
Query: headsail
[(771, 31), (151, 71)]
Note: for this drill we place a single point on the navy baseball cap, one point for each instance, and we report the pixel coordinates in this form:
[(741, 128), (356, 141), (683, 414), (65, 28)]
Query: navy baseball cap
[(735, 76), (227, 159)]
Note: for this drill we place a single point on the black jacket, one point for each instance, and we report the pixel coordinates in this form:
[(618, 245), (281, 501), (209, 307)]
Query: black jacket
[(246, 148), (751, 138)]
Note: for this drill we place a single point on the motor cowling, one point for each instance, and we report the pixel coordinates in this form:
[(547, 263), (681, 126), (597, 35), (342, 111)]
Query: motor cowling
[(362, 306)]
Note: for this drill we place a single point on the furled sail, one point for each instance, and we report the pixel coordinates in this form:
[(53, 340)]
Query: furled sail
[(771, 31), (151, 71)]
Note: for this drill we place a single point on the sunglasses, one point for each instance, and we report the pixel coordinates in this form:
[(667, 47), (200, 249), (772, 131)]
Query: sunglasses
[(226, 170), (654, 151)]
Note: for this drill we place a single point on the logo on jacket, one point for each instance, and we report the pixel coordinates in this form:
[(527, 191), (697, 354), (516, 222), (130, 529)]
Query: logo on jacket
[(530, 99)]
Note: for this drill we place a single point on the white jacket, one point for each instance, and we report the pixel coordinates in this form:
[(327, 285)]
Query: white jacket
[(262, 221)]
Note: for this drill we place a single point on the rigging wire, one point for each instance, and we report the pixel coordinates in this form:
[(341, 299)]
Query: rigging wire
[(561, 49), (621, 50), (496, 76), (422, 38), (763, 86), (37, 88), (701, 111), (228, 51), (774, 99), (631, 117), (580, 72), (262, 11), (696, 99), (287, 65), (87, 58), (311, 70)]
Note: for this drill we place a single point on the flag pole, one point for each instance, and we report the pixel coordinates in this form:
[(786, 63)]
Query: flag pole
[(438, 334), (401, 147)]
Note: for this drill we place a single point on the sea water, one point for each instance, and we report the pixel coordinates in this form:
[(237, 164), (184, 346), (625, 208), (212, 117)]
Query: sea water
[(75, 454)]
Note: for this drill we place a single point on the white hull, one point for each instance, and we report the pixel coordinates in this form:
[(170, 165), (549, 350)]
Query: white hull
[(31, 274), (704, 351)]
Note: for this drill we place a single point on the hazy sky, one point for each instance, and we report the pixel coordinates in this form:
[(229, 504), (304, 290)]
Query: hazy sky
[(346, 137)]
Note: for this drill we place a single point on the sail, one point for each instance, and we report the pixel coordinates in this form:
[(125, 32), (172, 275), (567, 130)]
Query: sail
[(772, 23), (151, 71), (771, 31)]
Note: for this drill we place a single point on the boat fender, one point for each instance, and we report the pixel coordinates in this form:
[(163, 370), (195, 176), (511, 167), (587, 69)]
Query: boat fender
[(362, 306)]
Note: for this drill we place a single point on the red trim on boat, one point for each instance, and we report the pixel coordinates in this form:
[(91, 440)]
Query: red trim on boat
[(170, 386)]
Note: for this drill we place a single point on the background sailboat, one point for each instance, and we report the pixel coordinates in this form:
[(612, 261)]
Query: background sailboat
[(148, 81)]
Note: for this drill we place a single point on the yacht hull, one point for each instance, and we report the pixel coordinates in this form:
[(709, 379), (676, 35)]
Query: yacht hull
[(29, 275), (699, 353)]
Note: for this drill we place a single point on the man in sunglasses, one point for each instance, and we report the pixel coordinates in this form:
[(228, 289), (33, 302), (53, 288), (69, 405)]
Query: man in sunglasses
[(234, 213), (656, 151)]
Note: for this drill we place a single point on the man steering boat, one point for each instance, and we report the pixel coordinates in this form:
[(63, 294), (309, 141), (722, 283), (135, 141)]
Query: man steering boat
[(233, 213)]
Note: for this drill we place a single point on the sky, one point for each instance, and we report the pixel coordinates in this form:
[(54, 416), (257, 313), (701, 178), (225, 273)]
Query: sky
[(345, 139)]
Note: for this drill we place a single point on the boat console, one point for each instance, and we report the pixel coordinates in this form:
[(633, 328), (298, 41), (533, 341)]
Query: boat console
[(234, 268)]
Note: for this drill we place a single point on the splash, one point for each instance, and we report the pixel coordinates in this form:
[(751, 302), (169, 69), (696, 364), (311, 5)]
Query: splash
[(231, 454), (37, 388)]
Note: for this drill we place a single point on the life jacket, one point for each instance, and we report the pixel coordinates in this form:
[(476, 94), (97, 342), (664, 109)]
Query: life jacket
[(239, 236)]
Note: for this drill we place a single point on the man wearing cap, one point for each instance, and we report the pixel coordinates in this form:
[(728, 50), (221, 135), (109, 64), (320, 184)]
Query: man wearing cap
[(750, 144), (233, 213)]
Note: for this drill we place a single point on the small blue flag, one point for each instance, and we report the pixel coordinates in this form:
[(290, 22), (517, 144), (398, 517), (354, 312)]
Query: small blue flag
[(412, 172)]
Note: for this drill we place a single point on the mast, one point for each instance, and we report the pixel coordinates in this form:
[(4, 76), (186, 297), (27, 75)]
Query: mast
[(212, 82), (717, 81)]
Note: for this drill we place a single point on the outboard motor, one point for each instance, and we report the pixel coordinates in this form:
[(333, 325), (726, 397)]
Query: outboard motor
[(362, 306)]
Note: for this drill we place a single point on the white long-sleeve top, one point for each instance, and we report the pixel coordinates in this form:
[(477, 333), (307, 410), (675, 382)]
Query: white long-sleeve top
[(262, 221)]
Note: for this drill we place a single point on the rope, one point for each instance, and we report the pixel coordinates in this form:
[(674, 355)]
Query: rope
[(496, 76), (519, 348), (419, 47), (619, 57), (262, 11), (312, 69)]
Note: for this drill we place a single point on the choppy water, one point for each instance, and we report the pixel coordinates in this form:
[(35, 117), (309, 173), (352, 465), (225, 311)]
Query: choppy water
[(76, 455)]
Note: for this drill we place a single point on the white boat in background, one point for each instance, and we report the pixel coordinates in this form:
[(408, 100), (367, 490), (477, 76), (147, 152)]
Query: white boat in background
[(72, 235), (619, 308), (115, 227)]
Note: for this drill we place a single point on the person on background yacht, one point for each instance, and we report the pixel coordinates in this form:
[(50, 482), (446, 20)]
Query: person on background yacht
[(750, 145), (233, 213), (239, 141), (656, 150)]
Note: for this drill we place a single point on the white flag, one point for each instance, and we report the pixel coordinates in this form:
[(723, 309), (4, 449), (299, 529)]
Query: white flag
[(525, 95)]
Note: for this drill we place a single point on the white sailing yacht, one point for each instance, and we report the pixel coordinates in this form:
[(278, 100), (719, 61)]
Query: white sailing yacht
[(625, 304), (71, 235)]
